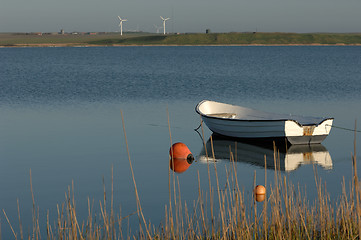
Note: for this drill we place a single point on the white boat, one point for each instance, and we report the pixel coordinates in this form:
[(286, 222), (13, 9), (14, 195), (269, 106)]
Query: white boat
[(240, 122)]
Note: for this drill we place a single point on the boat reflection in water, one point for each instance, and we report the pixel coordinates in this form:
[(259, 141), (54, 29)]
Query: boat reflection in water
[(290, 158)]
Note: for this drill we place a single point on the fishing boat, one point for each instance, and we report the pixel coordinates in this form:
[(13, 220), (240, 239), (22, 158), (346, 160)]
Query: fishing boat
[(245, 123)]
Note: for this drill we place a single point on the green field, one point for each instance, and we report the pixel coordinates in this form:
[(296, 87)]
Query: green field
[(21, 39), (110, 39)]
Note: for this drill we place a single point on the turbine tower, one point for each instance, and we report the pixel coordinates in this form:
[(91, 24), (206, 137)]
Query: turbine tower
[(158, 28), (121, 24), (164, 19)]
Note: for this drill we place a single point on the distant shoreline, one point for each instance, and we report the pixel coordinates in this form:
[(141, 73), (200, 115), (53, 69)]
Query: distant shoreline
[(194, 39), (49, 45)]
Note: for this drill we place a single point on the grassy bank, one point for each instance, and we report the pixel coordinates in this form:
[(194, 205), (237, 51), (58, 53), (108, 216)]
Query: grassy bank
[(8, 40), (219, 212), (237, 39), (20, 39)]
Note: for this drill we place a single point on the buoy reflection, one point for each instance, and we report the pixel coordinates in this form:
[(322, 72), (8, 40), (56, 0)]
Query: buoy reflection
[(260, 197)]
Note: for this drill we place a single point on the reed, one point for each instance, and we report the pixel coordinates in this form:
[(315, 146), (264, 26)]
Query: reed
[(219, 212)]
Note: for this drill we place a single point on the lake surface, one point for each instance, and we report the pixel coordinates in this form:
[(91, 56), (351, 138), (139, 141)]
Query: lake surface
[(60, 116)]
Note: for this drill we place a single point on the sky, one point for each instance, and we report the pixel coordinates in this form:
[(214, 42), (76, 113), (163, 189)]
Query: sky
[(298, 16)]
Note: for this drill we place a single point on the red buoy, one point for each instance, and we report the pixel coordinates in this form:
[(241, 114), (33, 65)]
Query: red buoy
[(180, 157), (180, 151)]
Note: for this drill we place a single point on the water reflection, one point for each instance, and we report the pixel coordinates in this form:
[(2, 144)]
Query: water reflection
[(290, 157)]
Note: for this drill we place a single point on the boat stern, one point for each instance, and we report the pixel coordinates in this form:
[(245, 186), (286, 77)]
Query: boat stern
[(307, 134)]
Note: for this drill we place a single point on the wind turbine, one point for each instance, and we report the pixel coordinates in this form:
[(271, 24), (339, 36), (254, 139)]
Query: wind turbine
[(158, 28), (164, 19), (121, 24)]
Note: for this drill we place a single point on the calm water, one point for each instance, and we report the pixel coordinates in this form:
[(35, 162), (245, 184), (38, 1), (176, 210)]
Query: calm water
[(60, 117)]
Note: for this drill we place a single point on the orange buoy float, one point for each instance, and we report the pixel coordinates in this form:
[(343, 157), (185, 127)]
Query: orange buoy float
[(260, 193), (180, 157), (259, 189)]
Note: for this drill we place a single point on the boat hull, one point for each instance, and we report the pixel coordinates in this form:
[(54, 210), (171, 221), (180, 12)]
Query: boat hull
[(227, 122)]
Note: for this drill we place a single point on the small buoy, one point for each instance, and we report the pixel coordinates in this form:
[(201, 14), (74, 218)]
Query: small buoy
[(260, 193), (260, 190), (180, 157)]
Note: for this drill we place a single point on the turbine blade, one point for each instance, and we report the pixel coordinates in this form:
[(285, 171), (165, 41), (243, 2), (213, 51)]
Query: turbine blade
[(119, 18), (162, 18)]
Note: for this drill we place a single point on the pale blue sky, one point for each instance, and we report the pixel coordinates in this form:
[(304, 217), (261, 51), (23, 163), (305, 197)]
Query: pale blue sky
[(186, 15)]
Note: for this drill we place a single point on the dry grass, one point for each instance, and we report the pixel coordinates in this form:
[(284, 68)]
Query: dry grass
[(220, 212)]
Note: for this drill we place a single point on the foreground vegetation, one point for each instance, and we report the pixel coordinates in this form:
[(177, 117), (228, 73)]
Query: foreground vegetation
[(11, 40), (220, 212)]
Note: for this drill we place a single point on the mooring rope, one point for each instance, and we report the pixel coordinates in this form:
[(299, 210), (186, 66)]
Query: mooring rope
[(196, 129), (342, 128)]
